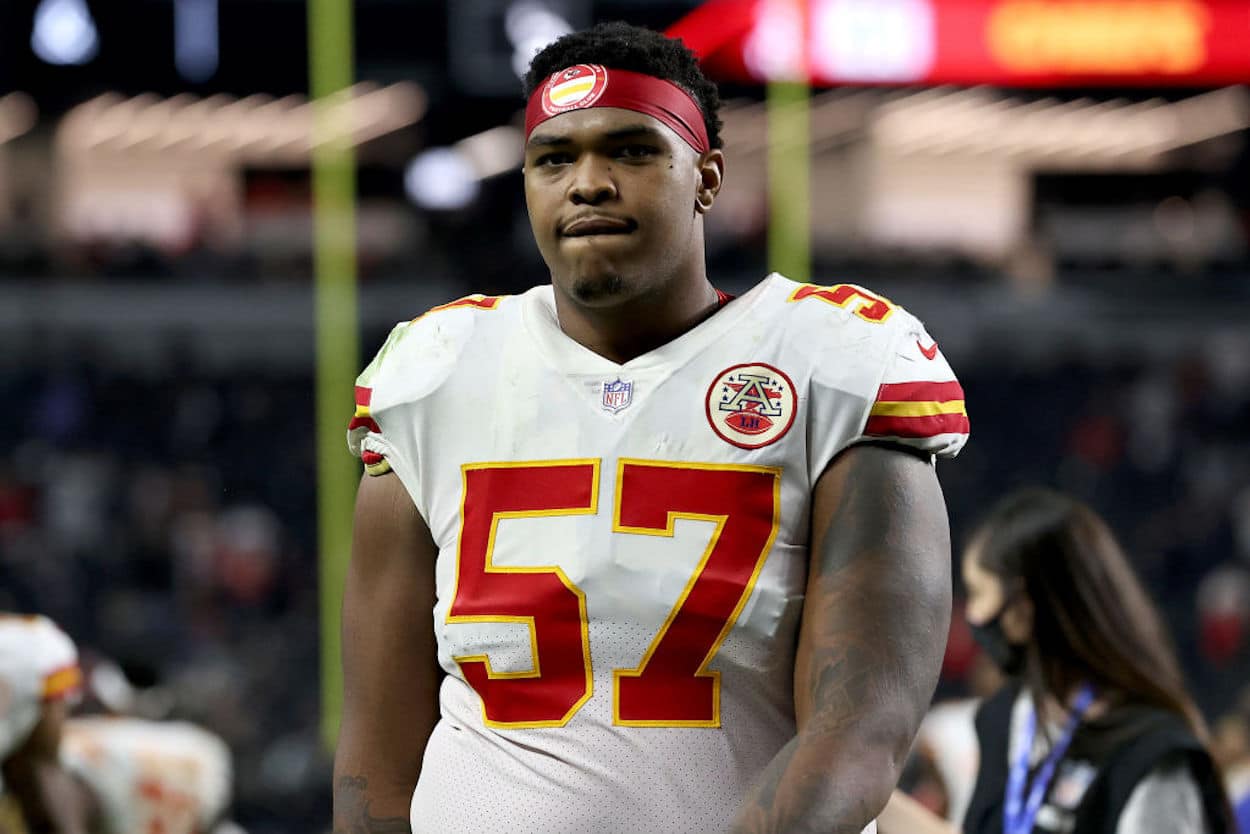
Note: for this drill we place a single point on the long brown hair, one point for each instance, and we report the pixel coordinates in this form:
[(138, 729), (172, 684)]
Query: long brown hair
[(1092, 619)]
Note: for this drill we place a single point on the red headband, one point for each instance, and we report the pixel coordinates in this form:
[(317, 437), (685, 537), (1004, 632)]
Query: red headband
[(591, 85)]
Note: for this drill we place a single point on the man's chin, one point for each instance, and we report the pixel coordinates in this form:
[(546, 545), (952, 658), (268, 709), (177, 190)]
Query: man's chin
[(597, 290)]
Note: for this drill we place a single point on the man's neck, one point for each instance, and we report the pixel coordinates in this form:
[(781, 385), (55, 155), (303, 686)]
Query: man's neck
[(623, 332)]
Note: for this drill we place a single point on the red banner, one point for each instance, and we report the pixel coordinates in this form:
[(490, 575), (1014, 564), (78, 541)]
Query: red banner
[(1002, 42)]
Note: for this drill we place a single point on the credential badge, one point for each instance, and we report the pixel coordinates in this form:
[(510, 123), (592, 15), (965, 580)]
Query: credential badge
[(1073, 781)]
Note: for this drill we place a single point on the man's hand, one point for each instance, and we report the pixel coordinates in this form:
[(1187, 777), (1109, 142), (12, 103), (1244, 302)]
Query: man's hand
[(904, 815), (874, 629)]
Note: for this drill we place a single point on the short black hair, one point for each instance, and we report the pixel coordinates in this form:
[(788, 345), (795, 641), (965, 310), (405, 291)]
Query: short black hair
[(623, 46)]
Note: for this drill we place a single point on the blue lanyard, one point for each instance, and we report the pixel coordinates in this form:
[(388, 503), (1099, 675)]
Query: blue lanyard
[(1019, 815)]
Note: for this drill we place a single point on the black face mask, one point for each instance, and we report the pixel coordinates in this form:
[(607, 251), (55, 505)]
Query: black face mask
[(1007, 656)]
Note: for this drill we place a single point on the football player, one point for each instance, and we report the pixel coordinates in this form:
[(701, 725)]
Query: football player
[(149, 777), (632, 555), (39, 679)]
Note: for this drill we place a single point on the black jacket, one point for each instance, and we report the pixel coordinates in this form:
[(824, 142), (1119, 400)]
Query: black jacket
[(1108, 757)]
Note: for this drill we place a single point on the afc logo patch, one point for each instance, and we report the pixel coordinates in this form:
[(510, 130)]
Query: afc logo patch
[(751, 405)]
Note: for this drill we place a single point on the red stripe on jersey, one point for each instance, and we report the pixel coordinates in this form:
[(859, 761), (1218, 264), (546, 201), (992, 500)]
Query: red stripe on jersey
[(370, 458), (917, 426), (910, 392), (363, 395), (484, 302), (365, 422)]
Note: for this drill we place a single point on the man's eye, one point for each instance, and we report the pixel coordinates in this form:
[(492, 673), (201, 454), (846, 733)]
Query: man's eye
[(635, 151), (554, 159)]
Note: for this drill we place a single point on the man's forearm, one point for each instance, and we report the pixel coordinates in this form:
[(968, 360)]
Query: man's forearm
[(388, 637), (870, 646), (824, 783), (352, 810)]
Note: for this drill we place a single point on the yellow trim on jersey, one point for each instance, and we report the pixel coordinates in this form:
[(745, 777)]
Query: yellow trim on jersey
[(362, 410), (475, 301), (61, 682), (490, 567), (668, 532), (823, 292), (380, 468), (917, 409)]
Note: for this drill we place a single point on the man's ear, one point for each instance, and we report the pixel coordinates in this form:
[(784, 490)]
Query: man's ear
[(711, 176)]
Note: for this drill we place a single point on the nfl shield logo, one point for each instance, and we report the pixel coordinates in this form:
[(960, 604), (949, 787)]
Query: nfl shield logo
[(617, 395)]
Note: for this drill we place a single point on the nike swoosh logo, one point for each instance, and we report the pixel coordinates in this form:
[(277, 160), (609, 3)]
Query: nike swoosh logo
[(929, 352)]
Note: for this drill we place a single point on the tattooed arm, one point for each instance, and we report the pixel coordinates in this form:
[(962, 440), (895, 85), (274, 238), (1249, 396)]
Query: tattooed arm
[(870, 645), (390, 662)]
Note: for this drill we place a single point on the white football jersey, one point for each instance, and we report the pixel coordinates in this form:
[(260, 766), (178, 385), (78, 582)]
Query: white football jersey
[(38, 664), (623, 547), (150, 777)]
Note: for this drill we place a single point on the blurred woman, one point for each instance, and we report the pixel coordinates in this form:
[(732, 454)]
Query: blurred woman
[(1095, 732)]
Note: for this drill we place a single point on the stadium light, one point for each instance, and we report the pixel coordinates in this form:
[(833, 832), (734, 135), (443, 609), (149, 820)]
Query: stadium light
[(530, 27), (493, 152), (64, 32), (441, 179), (18, 114), (257, 129), (447, 179), (196, 39)]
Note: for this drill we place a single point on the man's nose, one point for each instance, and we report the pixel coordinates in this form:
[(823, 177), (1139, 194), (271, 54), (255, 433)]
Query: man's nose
[(593, 182)]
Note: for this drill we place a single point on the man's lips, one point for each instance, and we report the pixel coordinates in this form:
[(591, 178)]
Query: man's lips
[(597, 225)]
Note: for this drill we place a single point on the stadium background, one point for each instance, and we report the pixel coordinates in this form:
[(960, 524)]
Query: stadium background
[(1075, 232)]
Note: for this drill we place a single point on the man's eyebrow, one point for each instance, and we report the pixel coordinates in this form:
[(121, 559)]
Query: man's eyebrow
[(634, 130), (545, 139), (542, 140)]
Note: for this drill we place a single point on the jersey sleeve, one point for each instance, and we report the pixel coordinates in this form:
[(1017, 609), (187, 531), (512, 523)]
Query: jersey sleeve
[(386, 431), (38, 665), (58, 665), (877, 376), (364, 435), (919, 403)]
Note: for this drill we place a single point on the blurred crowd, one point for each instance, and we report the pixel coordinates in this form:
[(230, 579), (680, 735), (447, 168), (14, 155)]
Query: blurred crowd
[(167, 523), (1159, 449)]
